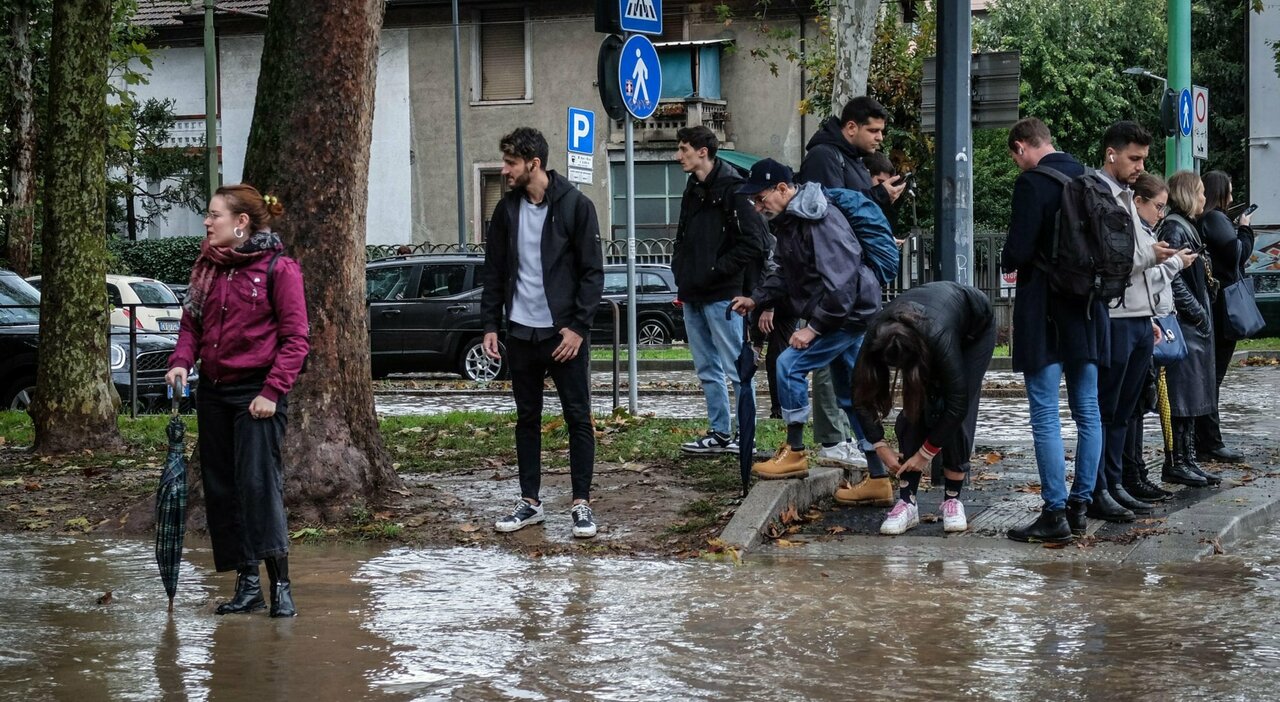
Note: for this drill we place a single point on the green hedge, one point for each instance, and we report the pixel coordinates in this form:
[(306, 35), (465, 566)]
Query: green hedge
[(168, 260)]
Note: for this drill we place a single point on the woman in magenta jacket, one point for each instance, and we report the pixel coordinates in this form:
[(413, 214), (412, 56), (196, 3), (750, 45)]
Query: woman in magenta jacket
[(245, 319)]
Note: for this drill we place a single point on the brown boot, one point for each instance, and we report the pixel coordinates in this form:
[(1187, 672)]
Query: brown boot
[(877, 492), (786, 463)]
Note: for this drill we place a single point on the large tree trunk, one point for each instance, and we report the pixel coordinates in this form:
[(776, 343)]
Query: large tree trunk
[(22, 149), (75, 405), (309, 145), (853, 29)]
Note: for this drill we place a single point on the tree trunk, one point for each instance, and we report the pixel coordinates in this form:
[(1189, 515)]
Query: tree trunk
[(309, 145), (22, 149), (853, 28), (76, 406)]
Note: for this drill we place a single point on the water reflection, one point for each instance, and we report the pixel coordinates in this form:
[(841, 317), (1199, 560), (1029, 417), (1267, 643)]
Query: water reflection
[(484, 625)]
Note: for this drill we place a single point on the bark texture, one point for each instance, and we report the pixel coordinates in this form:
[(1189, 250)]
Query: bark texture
[(853, 28), (21, 121), (76, 405), (309, 145)]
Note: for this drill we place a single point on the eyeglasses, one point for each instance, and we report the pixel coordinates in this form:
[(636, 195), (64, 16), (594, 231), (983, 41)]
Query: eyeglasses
[(758, 199), (1162, 208)]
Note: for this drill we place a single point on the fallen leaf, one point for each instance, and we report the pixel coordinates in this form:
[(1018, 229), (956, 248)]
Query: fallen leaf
[(105, 598), (929, 518), (986, 476), (80, 523), (836, 530), (410, 430), (468, 528), (993, 457), (32, 486), (1059, 544)]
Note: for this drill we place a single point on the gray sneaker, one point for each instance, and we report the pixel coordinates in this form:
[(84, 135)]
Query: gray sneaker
[(522, 516), (584, 523), (712, 442)]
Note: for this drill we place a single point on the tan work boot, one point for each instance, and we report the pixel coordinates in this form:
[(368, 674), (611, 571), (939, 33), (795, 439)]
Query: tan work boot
[(877, 492), (786, 463)]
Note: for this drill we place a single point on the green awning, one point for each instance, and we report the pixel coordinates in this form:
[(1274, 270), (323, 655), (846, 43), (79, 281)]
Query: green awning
[(741, 160)]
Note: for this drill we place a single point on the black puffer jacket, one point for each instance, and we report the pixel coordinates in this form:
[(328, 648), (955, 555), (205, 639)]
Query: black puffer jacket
[(720, 240), (831, 161)]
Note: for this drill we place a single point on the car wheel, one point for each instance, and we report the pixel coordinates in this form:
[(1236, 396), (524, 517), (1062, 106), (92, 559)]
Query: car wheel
[(652, 332), (475, 365), (18, 396)]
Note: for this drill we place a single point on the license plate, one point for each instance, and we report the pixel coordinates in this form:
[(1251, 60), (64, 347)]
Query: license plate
[(169, 326)]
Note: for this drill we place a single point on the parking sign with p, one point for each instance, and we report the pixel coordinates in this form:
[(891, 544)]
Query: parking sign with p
[(582, 131)]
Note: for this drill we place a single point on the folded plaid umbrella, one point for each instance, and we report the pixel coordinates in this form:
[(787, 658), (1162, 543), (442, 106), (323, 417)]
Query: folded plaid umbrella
[(171, 506)]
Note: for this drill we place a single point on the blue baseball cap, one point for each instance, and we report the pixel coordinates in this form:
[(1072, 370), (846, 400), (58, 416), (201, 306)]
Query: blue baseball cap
[(765, 174)]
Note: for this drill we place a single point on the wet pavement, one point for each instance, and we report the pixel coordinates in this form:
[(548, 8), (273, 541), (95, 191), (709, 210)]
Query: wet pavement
[(469, 624)]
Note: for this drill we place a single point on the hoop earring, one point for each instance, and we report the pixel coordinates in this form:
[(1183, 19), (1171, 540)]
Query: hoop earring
[(239, 233)]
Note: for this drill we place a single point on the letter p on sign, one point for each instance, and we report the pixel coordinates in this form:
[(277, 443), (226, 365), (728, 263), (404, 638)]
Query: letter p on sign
[(582, 128)]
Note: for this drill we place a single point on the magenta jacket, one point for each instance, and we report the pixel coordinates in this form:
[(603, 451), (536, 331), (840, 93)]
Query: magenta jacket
[(239, 335)]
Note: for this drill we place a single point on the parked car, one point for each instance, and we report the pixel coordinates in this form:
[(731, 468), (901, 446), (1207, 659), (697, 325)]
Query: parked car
[(20, 342), (1266, 285), (159, 309), (424, 313)]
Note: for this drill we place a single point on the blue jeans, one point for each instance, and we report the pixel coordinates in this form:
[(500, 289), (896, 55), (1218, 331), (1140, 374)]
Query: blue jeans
[(1046, 428), (837, 349), (715, 343)]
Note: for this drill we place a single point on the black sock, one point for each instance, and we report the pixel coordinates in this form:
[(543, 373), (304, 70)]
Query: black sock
[(952, 488), (909, 483), (795, 436), (875, 468)]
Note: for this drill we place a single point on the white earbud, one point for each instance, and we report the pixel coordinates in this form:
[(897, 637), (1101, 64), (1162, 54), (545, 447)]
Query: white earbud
[(1111, 157)]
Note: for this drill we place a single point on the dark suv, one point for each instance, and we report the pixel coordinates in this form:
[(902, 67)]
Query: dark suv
[(20, 341), (424, 313)]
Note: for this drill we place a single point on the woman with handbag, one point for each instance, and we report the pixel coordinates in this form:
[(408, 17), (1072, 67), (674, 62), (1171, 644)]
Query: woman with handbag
[(1192, 390), (1151, 200), (1229, 245), (246, 322), (1133, 332)]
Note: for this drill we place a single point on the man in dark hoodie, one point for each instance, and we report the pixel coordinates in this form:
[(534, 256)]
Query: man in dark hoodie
[(545, 268), (719, 239), (820, 281)]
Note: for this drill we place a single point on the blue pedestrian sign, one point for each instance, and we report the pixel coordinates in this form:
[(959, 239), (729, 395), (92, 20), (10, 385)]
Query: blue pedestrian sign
[(1184, 112), (640, 16), (640, 76), (582, 131)]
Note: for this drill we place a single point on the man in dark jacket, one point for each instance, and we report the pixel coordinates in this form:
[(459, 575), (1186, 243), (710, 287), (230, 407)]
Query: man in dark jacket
[(819, 280), (544, 267), (719, 241), (1053, 335)]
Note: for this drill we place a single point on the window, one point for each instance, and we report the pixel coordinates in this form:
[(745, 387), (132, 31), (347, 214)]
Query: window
[(113, 296), (500, 56), (443, 281), (615, 283), (492, 187), (651, 283), (386, 284), (659, 187), (153, 293)]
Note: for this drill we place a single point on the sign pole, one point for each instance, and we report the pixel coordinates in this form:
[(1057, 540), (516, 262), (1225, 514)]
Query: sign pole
[(633, 397)]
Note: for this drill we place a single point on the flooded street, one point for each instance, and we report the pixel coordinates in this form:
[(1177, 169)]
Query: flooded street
[(485, 625)]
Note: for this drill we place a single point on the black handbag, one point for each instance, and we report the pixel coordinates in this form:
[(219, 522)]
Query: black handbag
[(1172, 347), (1241, 310)]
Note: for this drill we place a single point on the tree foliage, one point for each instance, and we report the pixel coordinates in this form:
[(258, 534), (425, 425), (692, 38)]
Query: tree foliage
[(1219, 61)]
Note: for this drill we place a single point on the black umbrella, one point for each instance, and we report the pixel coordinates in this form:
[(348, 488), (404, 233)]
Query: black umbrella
[(746, 406), (171, 504)]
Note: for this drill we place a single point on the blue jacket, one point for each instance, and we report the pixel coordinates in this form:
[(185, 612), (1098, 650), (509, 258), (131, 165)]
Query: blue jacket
[(1047, 328)]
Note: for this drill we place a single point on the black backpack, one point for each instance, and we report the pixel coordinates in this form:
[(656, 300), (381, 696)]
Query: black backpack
[(1091, 254)]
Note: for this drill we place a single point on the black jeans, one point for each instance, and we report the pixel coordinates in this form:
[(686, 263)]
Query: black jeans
[(530, 363), (1120, 387), (240, 465)]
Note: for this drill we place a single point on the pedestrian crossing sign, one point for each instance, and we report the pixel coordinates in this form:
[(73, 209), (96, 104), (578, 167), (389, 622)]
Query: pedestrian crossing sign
[(640, 16)]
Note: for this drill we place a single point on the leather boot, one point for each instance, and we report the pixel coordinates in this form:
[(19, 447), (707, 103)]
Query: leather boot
[(1175, 470), (281, 594), (1076, 517), (1134, 469), (1188, 427), (1050, 527), (1106, 508), (1128, 501), (248, 597)]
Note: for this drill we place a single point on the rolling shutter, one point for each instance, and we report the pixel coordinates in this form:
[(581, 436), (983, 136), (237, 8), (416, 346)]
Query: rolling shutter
[(502, 55)]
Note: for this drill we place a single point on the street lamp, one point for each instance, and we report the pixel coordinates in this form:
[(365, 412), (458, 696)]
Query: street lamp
[(1168, 100)]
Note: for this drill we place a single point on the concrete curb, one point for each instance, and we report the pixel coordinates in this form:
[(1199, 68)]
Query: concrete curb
[(1235, 514), (769, 498)]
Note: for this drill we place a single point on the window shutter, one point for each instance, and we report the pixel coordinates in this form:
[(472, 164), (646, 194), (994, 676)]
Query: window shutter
[(491, 190), (502, 55)]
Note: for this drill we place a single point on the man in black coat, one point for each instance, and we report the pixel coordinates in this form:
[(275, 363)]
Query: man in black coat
[(545, 268), (720, 242)]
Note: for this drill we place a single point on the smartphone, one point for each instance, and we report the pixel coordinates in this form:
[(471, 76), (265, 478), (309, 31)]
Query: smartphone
[(1242, 209), (907, 177)]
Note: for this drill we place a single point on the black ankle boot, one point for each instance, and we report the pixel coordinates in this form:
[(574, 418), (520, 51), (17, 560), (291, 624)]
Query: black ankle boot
[(1134, 471), (1050, 527), (1106, 508), (281, 593), (248, 597), (1175, 470), (1127, 500), (1188, 454), (1076, 517)]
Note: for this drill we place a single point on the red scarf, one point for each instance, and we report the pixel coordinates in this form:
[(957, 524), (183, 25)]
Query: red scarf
[(215, 259)]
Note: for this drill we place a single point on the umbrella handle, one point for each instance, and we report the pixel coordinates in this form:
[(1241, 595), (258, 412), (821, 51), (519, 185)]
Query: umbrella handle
[(176, 395)]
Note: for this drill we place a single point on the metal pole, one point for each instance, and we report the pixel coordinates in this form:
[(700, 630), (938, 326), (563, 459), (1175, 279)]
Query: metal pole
[(457, 129), (633, 399), (133, 359), (1179, 73), (953, 194), (210, 99)]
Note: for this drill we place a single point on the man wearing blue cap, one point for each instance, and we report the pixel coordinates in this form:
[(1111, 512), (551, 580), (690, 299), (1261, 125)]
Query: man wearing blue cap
[(821, 281)]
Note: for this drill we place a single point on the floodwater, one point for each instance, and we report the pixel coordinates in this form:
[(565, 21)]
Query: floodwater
[(469, 624)]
